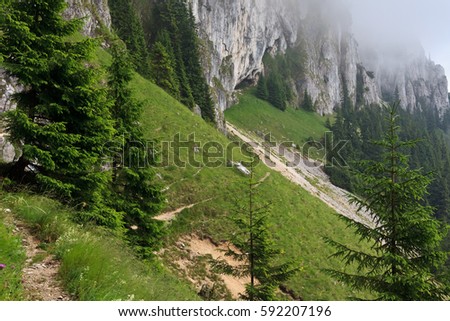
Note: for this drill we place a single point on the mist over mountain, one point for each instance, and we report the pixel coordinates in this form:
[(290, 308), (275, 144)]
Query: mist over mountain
[(402, 41), (345, 44)]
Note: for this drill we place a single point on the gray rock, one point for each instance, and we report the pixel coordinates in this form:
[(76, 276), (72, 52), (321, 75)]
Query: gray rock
[(95, 12), (8, 152), (237, 34)]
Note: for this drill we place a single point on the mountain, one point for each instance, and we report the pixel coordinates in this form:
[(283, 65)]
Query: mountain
[(239, 41), (237, 35), (418, 80)]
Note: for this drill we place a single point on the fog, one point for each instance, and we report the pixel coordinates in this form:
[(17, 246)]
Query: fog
[(392, 23)]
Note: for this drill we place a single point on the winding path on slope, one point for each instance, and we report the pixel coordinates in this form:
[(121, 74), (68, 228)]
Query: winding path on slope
[(40, 274), (303, 173)]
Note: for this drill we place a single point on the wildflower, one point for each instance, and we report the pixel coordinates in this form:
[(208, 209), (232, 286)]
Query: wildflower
[(2, 266)]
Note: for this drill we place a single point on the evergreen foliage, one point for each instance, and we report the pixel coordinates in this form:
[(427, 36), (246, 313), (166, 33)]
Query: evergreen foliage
[(261, 90), (277, 96), (133, 190), (173, 58), (257, 251), (62, 118), (177, 33), (280, 70), (162, 70), (128, 27), (307, 103), (405, 236), (65, 119)]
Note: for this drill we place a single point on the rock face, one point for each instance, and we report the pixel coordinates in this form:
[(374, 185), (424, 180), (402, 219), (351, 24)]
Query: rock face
[(417, 80), (236, 35), (332, 59), (8, 86), (95, 12)]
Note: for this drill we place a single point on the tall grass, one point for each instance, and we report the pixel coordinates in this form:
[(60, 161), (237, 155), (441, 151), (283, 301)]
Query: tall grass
[(13, 257), (95, 265)]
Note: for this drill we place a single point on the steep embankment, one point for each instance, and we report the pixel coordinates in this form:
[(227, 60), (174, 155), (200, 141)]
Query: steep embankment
[(208, 190), (286, 128), (51, 258)]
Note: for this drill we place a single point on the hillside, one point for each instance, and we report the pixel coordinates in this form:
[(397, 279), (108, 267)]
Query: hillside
[(299, 220), (293, 125), (134, 156)]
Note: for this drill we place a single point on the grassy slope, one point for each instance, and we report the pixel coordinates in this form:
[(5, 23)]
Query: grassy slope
[(13, 256), (298, 219), (92, 262), (95, 265), (294, 125)]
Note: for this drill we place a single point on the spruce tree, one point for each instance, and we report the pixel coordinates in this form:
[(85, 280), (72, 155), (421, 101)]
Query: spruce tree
[(257, 251), (62, 118), (128, 27), (168, 15), (162, 70), (134, 192), (191, 57), (307, 103), (404, 238), (275, 88), (261, 89), (177, 32)]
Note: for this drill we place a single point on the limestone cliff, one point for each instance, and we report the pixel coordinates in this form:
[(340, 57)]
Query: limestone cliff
[(332, 62), (406, 71), (94, 12), (236, 35)]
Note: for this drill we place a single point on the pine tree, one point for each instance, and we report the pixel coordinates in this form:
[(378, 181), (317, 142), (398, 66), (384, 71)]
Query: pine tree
[(168, 15), (178, 33), (261, 89), (307, 103), (275, 88), (257, 251), (404, 238), (162, 70), (134, 192), (128, 27), (62, 118), (191, 57)]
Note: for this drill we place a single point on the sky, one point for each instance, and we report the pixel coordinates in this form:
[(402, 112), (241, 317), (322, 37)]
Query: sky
[(395, 21)]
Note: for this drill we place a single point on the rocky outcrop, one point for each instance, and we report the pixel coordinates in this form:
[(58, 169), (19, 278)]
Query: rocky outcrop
[(236, 36), (332, 60), (8, 86), (408, 73), (94, 12)]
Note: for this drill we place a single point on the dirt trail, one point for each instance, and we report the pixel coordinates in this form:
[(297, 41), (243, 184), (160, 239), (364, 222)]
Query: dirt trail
[(40, 274), (202, 247), (169, 216), (305, 173)]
